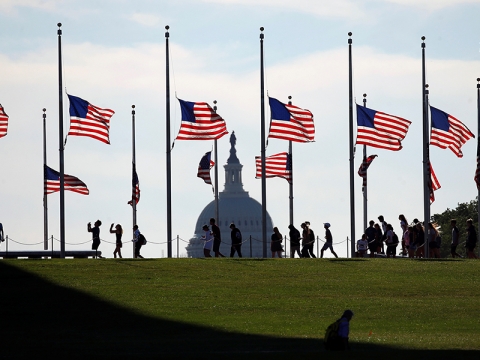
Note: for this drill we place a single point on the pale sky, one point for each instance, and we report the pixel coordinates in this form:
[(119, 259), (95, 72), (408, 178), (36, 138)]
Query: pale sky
[(114, 56)]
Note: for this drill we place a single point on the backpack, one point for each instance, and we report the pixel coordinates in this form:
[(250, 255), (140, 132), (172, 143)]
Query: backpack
[(239, 236), (142, 239), (312, 236), (438, 240), (331, 334), (395, 239)]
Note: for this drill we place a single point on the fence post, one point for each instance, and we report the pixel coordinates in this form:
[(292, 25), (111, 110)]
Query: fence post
[(347, 247), (6, 246), (318, 240), (250, 245), (52, 246), (178, 245)]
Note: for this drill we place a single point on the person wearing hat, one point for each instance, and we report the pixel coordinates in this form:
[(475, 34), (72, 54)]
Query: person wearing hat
[(207, 246), (328, 241), (236, 237)]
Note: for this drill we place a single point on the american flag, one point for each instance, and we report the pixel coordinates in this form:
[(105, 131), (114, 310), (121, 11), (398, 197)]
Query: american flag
[(380, 130), (289, 122), (3, 122), (362, 171), (206, 163), (89, 120), (448, 132), (135, 187), (200, 122), (433, 185), (276, 165), (71, 183)]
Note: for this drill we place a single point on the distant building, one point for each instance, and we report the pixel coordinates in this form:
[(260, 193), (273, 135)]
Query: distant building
[(235, 205)]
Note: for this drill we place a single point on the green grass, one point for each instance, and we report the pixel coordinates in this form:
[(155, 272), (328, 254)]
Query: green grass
[(245, 308)]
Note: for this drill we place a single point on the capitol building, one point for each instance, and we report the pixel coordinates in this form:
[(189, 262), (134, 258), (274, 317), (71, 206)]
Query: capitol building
[(235, 206)]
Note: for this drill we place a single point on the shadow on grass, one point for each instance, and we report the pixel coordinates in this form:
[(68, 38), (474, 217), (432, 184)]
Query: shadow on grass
[(40, 318)]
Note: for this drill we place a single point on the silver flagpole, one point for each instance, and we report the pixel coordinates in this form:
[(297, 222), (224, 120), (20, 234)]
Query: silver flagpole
[(478, 148), (290, 185), (352, 148), (262, 116), (426, 154), (61, 145), (364, 188), (169, 155), (45, 203), (134, 169), (216, 172)]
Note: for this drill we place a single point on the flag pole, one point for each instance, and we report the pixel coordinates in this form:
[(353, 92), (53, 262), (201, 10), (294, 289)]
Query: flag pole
[(364, 188), (216, 170), (352, 147), (169, 165), (426, 154), (61, 146), (134, 195), (262, 116), (478, 149), (45, 203), (290, 184)]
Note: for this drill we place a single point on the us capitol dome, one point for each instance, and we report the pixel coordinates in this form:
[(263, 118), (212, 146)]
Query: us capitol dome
[(235, 206)]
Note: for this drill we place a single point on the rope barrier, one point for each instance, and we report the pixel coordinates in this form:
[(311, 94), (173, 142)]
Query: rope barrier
[(202, 241), (18, 242)]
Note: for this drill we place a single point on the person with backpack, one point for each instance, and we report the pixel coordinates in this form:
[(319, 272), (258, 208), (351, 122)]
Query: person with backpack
[(305, 240), (311, 240), (236, 237), (328, 241), (391, 241), (294, 241), (336, 335), (139, 241), (276, 243)]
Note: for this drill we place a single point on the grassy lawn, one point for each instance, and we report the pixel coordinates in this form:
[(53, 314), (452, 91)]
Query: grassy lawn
[(239, 308)]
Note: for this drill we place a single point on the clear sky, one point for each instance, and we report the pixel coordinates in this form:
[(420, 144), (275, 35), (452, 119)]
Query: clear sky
[(114, 56)]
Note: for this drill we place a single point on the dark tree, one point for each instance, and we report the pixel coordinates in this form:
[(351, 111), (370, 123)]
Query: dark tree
[(463, 212)]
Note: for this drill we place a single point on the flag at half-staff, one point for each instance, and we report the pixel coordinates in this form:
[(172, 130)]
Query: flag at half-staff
[(433, 185), (3, 122), (206, 163), (448, 132), (72, 183), (200, 122), (289, 122), (362, 171), (380, 130), (135, 187), (278, 165), (89, 120)]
